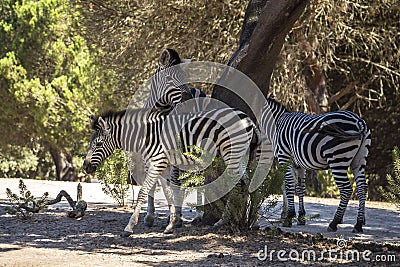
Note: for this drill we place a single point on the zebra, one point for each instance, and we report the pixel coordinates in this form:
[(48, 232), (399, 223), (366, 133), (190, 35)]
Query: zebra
[(166, 92), (157, 136), (335, 140)]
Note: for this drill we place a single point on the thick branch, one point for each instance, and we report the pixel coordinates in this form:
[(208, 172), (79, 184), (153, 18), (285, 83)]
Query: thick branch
[(347, 90)]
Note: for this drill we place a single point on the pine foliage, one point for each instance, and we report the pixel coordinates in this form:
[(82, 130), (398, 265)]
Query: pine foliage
[(112, 175), (392, 191)]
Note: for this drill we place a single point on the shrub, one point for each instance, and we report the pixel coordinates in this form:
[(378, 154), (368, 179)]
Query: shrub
[(112, 175), (392, 191), (244, 206), (25, 204)]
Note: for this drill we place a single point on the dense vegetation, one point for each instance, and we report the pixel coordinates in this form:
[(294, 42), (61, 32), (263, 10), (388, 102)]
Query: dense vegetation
[(62, 60), (49, 83)]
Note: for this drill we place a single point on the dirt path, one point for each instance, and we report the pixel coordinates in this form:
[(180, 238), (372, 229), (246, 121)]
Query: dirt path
[(52, 239)]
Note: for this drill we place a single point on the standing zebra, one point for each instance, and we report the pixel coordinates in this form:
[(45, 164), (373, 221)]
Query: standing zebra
[(159, 137), (335, 140), (167, 90)]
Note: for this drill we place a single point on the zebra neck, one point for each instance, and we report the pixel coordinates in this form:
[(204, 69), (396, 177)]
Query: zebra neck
[(137, 127), (271, 114), (116, 134)]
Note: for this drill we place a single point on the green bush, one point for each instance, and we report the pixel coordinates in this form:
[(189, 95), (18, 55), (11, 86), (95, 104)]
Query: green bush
[(20, 164), (244, 207), (328, 187), (112, 175), (392, 191), (31, 162), (22, 205), (264, 194)]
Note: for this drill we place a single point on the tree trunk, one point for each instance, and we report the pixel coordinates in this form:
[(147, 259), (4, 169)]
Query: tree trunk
[(264, 30), (266, 24), (65, 170), (313, 72)]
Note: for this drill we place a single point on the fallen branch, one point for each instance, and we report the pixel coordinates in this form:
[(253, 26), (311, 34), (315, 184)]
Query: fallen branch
[(28, 203)]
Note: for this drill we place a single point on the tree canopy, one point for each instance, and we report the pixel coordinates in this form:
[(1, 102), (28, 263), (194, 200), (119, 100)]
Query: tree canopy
[(49, 79), (62, 60)]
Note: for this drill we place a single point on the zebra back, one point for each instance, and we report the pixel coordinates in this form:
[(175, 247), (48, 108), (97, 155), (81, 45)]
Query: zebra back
[(338, 130)]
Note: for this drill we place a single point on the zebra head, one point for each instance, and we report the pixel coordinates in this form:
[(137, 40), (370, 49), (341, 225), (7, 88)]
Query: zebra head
[(102, 143), (168, 83)]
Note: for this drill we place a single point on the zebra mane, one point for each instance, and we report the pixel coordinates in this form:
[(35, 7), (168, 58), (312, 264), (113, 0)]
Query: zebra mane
[(272, 102), (94, 121)]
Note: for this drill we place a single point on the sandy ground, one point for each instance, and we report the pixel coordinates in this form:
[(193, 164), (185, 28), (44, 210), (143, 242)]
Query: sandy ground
[(53, 239)]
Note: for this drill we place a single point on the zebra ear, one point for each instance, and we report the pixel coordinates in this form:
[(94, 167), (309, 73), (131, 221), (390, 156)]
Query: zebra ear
[(164, 58), (93, 122), (169, 57), (104, 125)]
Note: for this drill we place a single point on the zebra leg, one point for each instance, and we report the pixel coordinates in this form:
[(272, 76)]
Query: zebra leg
[(345, 189), (151, 178), (284, 203), (172, 211), (361, 187), (289, 190), (149, 218), (178, 193), (358, 168), (301, 191)]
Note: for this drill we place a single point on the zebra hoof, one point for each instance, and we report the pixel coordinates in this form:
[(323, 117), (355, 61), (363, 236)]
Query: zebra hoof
[(177, 224), (331, 228), (149, 220), (169, 230), (358, 228), (287, 222), (126, 234)]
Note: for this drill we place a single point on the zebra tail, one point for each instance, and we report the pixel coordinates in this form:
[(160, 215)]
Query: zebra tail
[(337, 132)]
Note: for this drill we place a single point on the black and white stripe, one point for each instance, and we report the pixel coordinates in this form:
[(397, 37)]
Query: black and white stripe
[(336, 140), (168, 84), (168, 90), (162, 140)]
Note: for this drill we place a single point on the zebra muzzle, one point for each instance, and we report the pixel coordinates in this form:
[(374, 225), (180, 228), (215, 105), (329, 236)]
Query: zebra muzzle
[(88, 167)]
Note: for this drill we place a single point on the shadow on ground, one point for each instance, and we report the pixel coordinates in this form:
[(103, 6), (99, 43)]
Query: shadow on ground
[(98, 233)]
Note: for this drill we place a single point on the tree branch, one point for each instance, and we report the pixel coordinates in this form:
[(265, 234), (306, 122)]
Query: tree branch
[(78, 207)]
